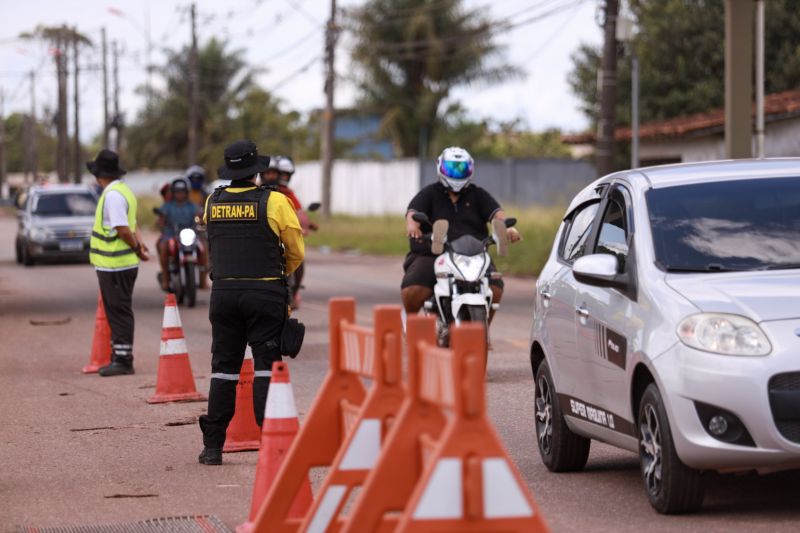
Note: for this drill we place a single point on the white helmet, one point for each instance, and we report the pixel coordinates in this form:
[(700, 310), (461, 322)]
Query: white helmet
[(285, 164), (455, 168)]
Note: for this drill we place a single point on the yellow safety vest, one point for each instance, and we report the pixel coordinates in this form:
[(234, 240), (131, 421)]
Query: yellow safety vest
[(107, 250)]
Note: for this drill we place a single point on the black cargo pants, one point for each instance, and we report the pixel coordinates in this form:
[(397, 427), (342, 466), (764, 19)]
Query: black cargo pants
[(241, 313), (116, 289)]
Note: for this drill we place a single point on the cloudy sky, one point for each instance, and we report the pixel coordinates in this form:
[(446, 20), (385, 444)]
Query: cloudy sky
[(286, 37)]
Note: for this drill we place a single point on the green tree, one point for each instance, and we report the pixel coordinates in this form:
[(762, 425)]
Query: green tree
[(410, 54), (15, 144), (681, 47)]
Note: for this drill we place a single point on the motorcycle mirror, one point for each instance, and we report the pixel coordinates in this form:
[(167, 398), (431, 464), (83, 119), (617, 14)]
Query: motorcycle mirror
[(422, 218), (314, 206), (511, 222)]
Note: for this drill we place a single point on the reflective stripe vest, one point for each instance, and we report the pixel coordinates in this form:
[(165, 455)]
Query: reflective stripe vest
[(107, 250)]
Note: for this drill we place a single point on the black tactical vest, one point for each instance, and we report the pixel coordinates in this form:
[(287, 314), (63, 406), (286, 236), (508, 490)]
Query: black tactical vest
[(241, 243)]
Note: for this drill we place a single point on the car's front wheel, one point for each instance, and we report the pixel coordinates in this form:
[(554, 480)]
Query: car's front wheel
[(671, 486), (18, 251), (25, 255), (561, 449)]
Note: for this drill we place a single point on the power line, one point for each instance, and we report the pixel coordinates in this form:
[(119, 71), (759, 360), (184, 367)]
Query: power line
[(296, 73), (549, 40), (299, 8), (295, 44)]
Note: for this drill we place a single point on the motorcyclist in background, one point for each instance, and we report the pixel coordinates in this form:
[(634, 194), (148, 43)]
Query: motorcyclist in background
[(467, 208), (174, 215), (197, 180), (279, 174)]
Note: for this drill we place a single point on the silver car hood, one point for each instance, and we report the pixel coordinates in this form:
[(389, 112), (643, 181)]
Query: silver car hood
[(761, 296), (63, 222)]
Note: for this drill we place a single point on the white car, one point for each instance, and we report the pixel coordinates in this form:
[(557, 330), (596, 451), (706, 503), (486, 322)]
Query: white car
[(667, 322)]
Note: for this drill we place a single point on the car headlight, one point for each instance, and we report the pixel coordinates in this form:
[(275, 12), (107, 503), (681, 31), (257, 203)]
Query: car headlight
[(187, 236), (724, 334), (41, 234)]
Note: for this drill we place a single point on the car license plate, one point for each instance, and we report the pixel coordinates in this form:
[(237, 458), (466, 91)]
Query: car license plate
[(70, 246)]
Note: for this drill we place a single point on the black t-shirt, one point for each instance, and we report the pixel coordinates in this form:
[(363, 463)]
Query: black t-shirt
[(468, 216)]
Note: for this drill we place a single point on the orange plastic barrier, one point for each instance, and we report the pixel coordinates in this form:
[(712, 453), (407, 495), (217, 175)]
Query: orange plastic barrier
[(375, 354), (175, 381), (243, 433), (280, 429), (323, 431), (101, 341)]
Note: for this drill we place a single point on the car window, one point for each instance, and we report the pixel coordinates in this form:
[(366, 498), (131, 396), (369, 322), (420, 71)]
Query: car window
[(64, 205), (578, 232), (613, 237)]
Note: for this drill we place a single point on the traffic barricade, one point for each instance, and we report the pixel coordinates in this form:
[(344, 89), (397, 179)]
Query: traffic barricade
[(324, 429)]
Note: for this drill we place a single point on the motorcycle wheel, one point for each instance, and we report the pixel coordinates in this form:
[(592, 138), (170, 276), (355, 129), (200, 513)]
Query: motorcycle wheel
[(477, 313), (190, 290)]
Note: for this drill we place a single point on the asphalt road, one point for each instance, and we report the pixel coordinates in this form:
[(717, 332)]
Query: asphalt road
[(78, 449)]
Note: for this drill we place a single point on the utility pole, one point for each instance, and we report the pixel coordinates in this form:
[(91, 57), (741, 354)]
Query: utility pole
[(3, 183), (328, 116), (760, 149), (194, 92), (76, 104), (117, 121), (61, 122), (105, 90), (33, 155), (608, 91)]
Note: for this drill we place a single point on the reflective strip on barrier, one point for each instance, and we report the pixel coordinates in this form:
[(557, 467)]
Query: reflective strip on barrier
[(359, 350), (171, 317), (327, 509), (437, 378), (263, 374), (228, 377), (502, 497), (365, 447), (443, 497), (280, 401), (173, 347)]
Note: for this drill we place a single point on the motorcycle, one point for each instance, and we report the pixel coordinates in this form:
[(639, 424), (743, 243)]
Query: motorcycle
[(295, 279), (184, 270), (462, 292)]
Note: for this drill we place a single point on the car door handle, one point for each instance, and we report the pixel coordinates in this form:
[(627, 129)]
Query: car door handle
[(582, 312), (546, 295)]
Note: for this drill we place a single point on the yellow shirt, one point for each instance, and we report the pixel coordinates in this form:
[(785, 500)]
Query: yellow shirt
[(282, 219)]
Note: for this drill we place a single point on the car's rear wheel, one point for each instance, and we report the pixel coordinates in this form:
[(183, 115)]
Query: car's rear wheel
[(561, 449), (671, 486)]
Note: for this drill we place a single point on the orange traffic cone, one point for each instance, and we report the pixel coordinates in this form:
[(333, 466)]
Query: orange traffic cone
[(280, 428), (243, 432), (175, 382), (101, 342)]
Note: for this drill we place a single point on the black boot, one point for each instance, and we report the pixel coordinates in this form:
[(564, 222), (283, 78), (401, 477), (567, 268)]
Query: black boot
[(210, 456), (118, 367)]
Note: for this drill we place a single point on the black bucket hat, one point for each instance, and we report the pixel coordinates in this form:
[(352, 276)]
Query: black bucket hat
[(106, 165), (241, 161)]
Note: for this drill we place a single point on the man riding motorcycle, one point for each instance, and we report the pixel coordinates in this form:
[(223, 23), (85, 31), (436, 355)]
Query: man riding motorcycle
[(174, 215), (197, 180), (466, 207), (279, 174)]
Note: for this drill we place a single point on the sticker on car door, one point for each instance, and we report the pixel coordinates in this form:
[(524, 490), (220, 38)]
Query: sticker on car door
[(611, 346)]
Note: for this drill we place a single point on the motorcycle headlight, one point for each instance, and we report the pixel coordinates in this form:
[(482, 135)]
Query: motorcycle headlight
[(724, 334), (187, 236)]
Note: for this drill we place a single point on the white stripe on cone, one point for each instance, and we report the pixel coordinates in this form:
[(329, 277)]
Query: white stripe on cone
[(502, 496), (280, 401), (327, 508), (171, 317), (173, 347), (365, 447), (442, 498)]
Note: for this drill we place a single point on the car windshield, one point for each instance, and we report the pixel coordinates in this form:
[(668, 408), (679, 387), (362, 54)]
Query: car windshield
[(64, 204), (746, 224)]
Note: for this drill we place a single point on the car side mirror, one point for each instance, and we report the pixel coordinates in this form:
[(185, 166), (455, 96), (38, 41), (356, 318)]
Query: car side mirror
[(422, 218), (314, 207), (600, 270)]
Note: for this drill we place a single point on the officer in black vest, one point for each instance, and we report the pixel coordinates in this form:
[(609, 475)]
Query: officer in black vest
[(255, 241)]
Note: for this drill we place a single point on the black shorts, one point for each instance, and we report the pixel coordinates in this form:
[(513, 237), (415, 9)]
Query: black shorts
[(419, 271)]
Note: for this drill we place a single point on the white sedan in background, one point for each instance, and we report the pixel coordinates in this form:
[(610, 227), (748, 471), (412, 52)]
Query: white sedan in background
[(667, 322)]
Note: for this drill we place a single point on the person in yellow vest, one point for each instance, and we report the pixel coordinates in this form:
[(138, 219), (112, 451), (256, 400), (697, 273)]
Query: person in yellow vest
[(115, 250), (255, 242)]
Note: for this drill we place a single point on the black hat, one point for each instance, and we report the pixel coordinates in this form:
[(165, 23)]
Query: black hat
[(106, 165), (265, 160), (241, 161)]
